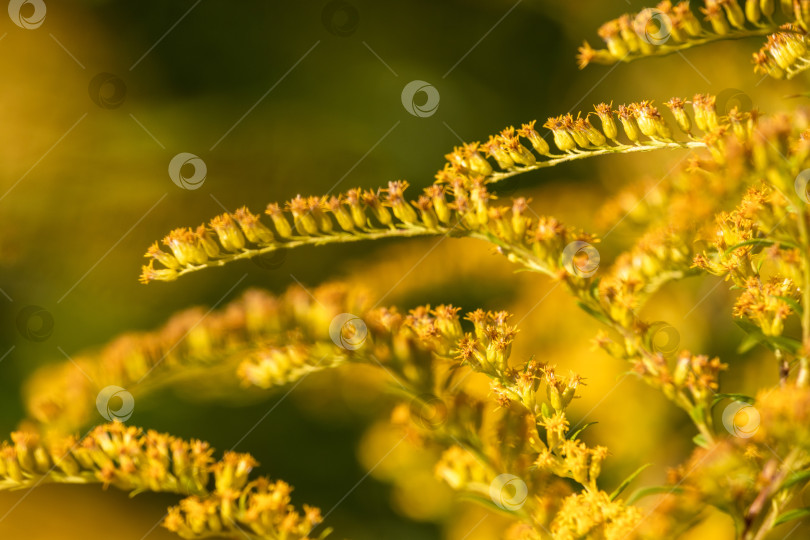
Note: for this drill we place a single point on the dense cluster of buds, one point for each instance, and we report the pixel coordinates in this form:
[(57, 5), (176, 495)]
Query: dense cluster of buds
[(111, 454), (239, 508), (767, 304), (595, 514), (634, 127), (461, 208), (458, 203), (130, 459), (672, 27), (784, 54)]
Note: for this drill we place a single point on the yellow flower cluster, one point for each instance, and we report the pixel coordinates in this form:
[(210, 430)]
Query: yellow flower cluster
[(130, 459), (669, 28), (458, 203)]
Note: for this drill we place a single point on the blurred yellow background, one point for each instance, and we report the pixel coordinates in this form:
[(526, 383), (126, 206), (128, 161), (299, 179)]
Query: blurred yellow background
[(276, 102)]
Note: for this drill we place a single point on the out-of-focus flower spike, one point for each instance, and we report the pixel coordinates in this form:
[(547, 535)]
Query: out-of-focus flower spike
[(716, 16), (734, 12), (519, 221), (753, 11)]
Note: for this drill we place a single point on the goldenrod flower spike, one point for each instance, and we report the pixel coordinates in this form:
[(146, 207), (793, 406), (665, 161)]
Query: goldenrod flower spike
[(643, 128), (367, 215), (130, 459), (669, 28)]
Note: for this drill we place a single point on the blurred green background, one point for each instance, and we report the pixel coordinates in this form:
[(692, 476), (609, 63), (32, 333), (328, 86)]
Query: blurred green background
[(280, 98)]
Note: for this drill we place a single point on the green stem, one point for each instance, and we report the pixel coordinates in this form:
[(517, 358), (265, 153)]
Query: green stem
[(802, 378)]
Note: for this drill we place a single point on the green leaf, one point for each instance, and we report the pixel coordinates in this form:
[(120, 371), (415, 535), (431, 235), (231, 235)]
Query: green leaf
[(598, 315), (544, 410), (748, 343), (796, 513), (700, 440), (772, 342), (627, 481), (759, 242), (652, 490), (736, 397), (796, 478), (580, 430)]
